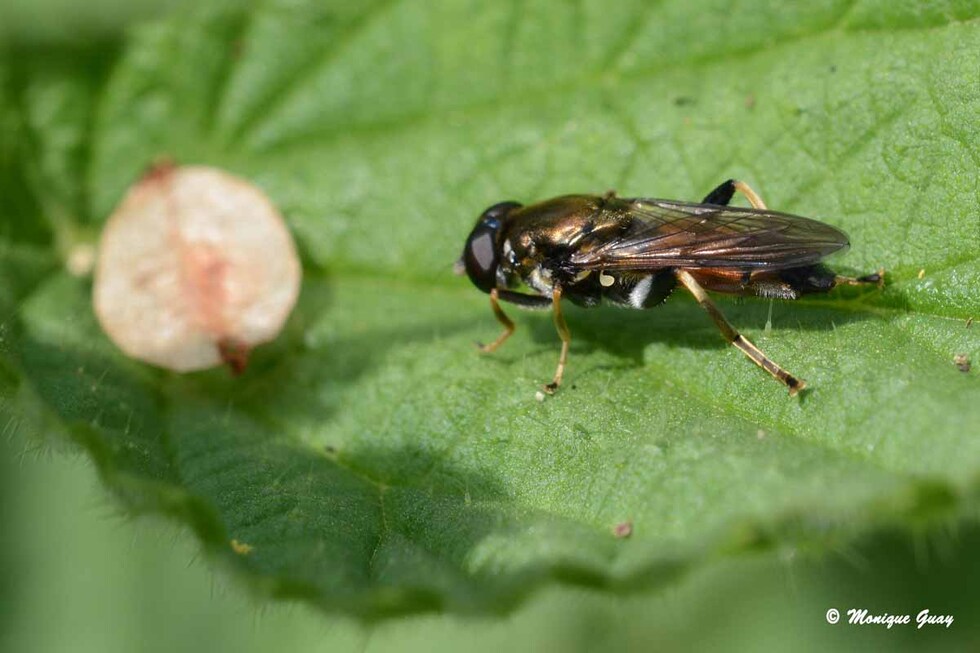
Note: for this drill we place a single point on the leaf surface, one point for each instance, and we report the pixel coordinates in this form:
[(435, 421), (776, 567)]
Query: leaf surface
[(370, 460)]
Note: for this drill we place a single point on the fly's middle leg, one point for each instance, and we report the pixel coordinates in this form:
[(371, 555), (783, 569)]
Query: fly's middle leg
[(794, 384), (566, 339)]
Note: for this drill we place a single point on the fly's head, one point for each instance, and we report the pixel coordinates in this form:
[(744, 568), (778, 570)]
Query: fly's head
[(483, 254)]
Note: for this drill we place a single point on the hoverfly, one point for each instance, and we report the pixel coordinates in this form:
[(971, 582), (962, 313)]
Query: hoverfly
[(634, 252)]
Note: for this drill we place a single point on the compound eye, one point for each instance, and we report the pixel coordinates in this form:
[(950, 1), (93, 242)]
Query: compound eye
[(480, 257), (482, 250)]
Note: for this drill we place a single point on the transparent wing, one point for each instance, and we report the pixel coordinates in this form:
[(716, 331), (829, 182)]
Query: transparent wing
[(660, 233)]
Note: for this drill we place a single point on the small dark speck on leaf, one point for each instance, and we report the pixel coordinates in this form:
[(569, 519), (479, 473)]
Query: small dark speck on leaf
[(962, 362), (329, 449), (623, 529), (969, 322), (683, 101), (833, 69), (750, 101)]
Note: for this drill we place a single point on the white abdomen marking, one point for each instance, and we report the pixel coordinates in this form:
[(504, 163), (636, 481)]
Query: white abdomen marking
[(641, 291)]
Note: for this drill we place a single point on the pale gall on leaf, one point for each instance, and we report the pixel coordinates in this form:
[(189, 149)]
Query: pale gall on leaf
[(195, 267)]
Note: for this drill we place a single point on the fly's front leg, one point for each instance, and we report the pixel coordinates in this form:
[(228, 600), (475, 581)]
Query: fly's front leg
[(566, 339), (503, 319), (734, 337), (723, 194)]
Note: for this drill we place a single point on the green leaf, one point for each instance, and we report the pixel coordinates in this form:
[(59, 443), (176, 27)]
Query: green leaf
[(373, 462), (56, 23)]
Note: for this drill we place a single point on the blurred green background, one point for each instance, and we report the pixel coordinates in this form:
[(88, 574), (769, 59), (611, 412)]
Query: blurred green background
[(76, 576)]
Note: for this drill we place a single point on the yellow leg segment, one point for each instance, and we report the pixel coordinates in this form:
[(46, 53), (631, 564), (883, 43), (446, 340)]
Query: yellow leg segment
[(734, 337), (503, 319), (750, 195), (566, 339)]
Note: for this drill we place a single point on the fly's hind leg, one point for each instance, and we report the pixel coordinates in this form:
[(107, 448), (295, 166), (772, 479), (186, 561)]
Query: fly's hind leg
[(876, 278), (723, 194), (808, 279), (503, 319), (566, 339), (738, 340)]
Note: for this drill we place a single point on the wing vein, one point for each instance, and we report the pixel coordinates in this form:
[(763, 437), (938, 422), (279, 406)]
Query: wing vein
[(658, 234)]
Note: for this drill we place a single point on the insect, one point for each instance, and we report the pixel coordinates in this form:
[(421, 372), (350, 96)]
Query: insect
[(635, 252)]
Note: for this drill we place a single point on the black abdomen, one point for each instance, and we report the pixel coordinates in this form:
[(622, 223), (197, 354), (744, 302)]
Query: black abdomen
[(630, 290)]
